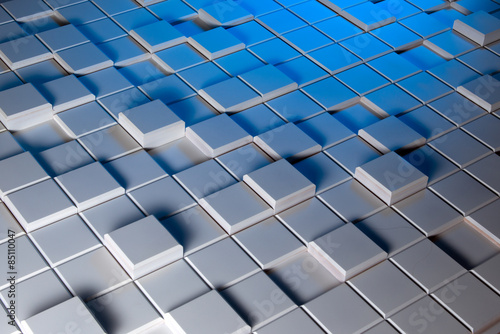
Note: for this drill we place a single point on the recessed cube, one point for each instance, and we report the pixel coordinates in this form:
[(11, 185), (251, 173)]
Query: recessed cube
[(269, 243), (484, 91), (23, 51), (9, 145), (216, 43), (280, 185), (391, 134), (20, 171), (157, 36), (89, 186), (224, 13), (269, 82), (367, 16), (22, 107), (66, 93), (236, 207), (216, 316), (152, 124), (40, 205), (83, 59), (223, 264), (152, 248), (391, 178), (217, 135), (230, 95), (248, 298), (346, 252), (480, 27), (287, 142), (57, 319)]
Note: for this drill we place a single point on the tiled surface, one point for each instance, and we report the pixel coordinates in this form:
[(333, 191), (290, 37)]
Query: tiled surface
[(270, 166)]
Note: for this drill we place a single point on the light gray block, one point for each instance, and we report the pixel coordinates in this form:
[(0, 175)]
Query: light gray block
[(236, 207), (488, 273), (154, 246), (152, 124), (157, 36), (83, 120), (66, 93), (83, 59), (22, 107), (89, 186), (217, 135), (280, 185), (61, 38), (72, 313), (40, 205), (346, 252), (269, 82), (20, 171), (483, 91), (485, 221), (8, 224), (23, 51), (65, 240), (480, 27), (391, 178), (231, 95)]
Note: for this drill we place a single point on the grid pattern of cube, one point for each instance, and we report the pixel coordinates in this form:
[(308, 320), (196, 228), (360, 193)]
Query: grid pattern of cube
[(251, 166)]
